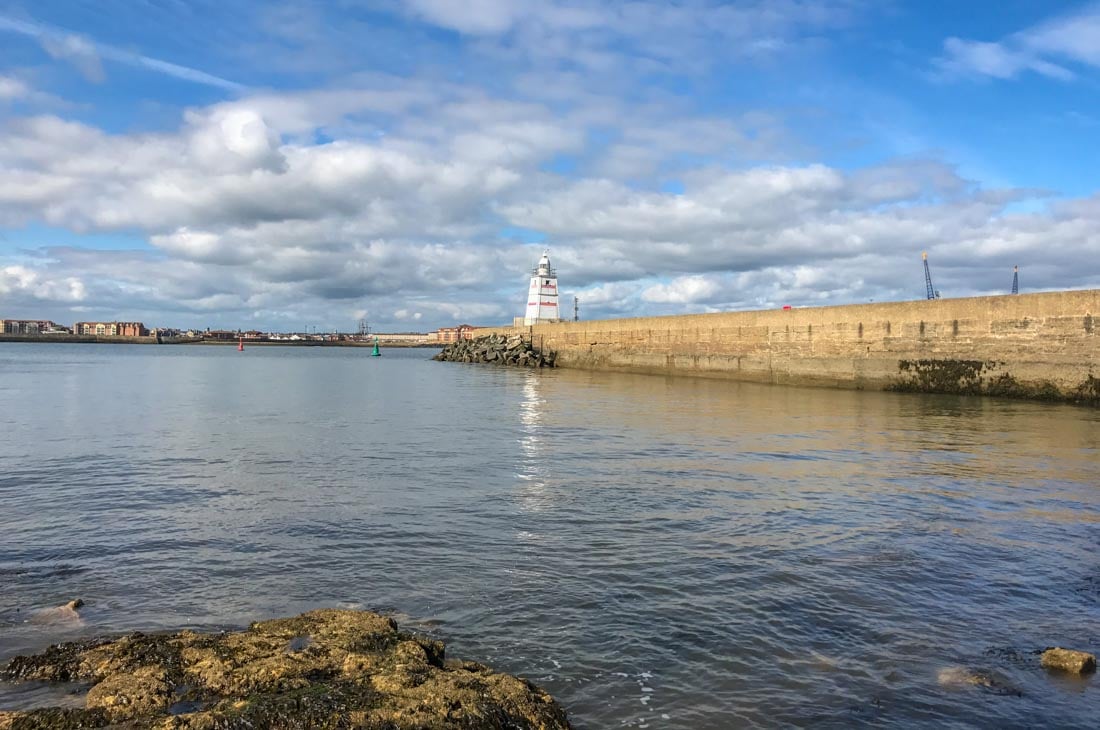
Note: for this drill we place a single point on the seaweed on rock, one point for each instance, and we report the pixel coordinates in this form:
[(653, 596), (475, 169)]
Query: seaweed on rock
[(323, 669)]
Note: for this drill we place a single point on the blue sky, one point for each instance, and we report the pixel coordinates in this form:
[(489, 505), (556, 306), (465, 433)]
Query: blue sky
[(290, 164)]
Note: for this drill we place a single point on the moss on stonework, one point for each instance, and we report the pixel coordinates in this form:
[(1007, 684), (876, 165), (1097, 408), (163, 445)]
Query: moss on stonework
[(1006, 386), (962, 377), (976, 377), (1088, 392)]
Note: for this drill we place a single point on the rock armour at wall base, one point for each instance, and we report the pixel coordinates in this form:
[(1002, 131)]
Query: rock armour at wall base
[(497, 350)]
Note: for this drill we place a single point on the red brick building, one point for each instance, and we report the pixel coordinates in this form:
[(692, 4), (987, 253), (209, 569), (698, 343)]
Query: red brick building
[(453, 334)]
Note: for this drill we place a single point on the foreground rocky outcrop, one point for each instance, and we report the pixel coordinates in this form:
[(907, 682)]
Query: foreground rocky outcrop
[(323, 669), (498, 350)]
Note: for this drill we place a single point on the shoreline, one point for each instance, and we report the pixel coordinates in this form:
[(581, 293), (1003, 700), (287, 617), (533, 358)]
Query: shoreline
[(152, 340)]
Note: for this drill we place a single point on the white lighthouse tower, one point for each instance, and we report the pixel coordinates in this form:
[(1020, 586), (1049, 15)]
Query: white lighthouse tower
[(542, 295)]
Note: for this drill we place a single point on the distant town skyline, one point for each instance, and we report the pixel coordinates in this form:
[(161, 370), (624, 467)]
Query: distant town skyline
[(279, 166)]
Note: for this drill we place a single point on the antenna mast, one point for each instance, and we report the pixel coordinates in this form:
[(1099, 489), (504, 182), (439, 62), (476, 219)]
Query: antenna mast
[(1015, 279), (576, 309)]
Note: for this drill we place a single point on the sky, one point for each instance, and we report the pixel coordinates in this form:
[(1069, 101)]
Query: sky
[(303, 165)]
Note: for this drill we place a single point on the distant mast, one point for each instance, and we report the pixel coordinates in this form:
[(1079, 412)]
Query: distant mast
[(542, 294)]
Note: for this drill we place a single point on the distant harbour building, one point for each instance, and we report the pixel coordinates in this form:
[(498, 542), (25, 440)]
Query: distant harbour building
[(542, 294), (111, 329), (410, 338), (226, 335)]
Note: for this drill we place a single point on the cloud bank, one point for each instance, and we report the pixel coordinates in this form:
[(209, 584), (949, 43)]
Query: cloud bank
[(421, 200)]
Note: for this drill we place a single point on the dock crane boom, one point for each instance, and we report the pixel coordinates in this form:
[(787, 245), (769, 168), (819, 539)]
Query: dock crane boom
[(932, 293)]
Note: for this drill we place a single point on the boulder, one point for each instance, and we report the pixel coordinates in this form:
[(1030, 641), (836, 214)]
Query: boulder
[(326, 668), (1068, 660)]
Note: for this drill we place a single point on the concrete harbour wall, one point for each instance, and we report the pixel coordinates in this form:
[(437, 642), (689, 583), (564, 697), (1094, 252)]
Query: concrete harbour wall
[(1043, 345)]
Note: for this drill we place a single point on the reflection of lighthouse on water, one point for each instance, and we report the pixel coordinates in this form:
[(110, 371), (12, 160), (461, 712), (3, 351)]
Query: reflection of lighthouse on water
[(542, 294), (535, 464)]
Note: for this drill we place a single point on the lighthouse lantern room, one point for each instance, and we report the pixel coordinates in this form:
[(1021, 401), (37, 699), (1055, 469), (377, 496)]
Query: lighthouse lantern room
[(542, 295)]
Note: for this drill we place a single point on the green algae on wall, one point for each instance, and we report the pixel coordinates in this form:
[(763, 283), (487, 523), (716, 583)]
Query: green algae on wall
[(1006, 386), (1089, 391), (980, 377), (963, 377)]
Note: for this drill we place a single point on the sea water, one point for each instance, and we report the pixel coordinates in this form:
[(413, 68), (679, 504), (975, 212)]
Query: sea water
[(656, 552)]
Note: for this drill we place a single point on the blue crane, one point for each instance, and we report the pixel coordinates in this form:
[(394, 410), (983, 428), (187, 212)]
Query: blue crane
[(932, 293)]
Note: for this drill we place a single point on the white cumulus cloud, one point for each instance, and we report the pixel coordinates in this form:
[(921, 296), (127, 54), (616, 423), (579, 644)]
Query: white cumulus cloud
[(1051, 48)]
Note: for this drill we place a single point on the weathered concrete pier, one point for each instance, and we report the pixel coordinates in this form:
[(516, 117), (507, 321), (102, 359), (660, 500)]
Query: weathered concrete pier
[(1043, 345)]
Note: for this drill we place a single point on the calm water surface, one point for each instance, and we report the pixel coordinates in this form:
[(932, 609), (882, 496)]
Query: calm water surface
[(656, 552)]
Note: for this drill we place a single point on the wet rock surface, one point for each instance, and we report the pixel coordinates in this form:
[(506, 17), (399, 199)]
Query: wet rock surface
[(983, 679), (65, 614), (1068, 660), (499, 350), (323, 669)]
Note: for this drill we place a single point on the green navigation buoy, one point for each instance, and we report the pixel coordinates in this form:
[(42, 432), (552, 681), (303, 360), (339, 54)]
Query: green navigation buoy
[(376, 352)]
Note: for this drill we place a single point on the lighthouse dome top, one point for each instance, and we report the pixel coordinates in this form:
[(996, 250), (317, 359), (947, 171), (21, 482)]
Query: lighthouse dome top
[(543, 269)]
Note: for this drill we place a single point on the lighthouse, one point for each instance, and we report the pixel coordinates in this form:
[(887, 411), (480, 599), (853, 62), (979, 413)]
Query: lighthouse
[(542, 295)]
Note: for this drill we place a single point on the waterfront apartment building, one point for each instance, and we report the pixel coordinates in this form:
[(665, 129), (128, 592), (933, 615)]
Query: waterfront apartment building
[(30, 327), (111, 329)]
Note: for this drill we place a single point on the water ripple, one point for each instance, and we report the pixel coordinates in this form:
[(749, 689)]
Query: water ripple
[(656, 552)]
